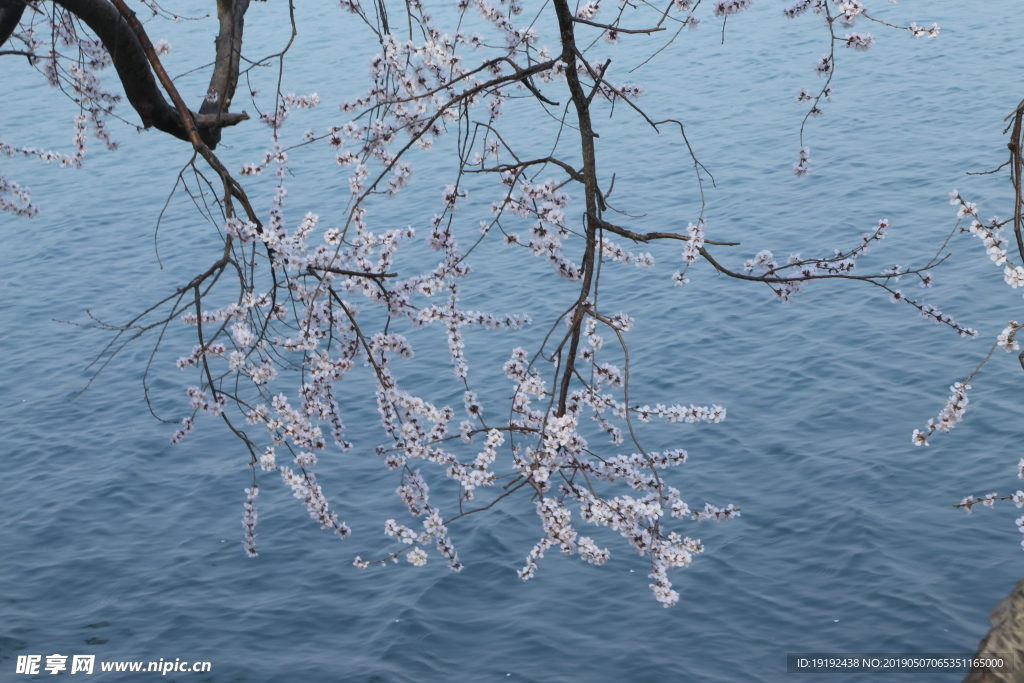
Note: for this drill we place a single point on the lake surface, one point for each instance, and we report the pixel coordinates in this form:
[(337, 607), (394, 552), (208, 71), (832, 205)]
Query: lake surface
[(118, 544)]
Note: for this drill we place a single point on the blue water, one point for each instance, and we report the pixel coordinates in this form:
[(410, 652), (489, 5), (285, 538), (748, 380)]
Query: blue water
[(117, 544)]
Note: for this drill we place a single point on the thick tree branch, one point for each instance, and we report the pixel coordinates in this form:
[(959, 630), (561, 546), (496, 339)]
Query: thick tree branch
[(10, 15), (128, 52), (594, 200), (231, 14)]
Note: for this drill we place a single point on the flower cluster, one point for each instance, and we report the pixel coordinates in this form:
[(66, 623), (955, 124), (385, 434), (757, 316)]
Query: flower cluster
[(859, 41), (1007, 338), (849, 10), (249, 517), (696, 234), (801, 6), (15, 199), (802, 165), (305, 488), (990, 235), (725, 8), (589, 10), (948, 417), (919, 31)]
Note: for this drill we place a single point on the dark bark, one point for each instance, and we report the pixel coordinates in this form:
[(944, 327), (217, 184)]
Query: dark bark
[(10, 15), (231, 14), (128, 54), (592, 193)]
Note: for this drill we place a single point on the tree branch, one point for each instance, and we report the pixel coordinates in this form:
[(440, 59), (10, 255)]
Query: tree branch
[(609, 27), (10, 15), (128, 49), (225, 71), (648, 236)]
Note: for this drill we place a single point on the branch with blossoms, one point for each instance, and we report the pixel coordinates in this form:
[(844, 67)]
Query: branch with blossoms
[(989, 500), (845, 13), (998, 248), (290, 307), (839, 266)]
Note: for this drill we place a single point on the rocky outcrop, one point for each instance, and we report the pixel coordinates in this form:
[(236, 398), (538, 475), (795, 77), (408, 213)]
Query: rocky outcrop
[(1006, 637)]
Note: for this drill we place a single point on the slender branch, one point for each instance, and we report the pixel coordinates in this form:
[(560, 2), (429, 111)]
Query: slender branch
[(608, 27), (501, 168), (353, 273), (648, 236)]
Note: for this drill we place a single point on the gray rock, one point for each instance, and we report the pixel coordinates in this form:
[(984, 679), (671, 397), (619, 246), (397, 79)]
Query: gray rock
[(1005, 638)]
